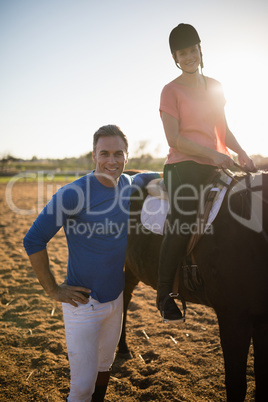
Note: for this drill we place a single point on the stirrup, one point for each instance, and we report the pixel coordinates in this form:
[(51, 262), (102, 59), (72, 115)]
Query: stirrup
[(178, 297)]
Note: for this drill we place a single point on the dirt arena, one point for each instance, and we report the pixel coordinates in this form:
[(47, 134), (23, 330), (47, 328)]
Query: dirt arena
[(170, 362)]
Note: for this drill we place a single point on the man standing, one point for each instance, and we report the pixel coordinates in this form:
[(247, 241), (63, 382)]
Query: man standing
[(94, 213)]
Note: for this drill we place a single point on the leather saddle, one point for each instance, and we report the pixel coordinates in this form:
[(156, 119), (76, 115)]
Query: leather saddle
[(208, 209)]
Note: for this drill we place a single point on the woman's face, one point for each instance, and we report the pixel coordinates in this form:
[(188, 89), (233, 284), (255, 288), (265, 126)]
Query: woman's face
[(189, 58)]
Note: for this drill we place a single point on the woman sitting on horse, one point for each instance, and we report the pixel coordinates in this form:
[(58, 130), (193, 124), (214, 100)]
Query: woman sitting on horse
[(192, 112)]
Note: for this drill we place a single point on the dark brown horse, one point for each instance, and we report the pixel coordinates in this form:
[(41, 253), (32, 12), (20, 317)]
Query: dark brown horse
[(233, 278)]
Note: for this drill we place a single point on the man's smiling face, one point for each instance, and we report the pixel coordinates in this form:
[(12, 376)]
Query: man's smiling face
[(110, 156)]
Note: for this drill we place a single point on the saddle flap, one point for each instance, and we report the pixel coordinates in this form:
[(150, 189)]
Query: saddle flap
[(156, 206)]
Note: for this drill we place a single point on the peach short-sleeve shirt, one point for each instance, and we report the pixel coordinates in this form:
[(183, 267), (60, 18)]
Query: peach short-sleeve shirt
[(200, 113)]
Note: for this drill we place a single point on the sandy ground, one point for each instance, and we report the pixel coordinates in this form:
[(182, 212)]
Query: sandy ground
[(170, 362)]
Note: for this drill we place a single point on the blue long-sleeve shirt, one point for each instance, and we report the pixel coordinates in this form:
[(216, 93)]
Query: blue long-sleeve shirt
[(95, 221)]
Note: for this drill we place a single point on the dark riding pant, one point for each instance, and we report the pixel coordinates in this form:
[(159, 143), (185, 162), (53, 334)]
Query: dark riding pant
[(185, 182)]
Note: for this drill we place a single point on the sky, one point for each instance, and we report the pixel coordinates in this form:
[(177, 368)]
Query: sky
[(69, 67)]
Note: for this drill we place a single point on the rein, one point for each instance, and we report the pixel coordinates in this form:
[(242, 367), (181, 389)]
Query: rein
[(232, 176)]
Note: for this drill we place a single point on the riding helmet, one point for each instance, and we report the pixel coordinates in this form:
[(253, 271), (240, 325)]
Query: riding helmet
[(182, 36)]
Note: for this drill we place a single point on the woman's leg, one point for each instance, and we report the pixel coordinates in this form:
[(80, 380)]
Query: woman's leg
[(183, 181)]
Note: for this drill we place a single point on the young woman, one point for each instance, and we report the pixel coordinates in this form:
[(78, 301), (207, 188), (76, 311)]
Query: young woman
[(192, 112)]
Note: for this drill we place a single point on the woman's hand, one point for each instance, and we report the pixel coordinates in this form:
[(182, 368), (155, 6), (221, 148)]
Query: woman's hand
[(222, 161), (246, 162)]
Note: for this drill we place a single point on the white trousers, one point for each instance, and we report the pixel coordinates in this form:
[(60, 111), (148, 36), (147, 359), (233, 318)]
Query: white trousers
[(92, 333)]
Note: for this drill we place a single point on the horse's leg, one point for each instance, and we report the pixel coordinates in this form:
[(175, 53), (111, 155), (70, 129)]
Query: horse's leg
[(260, 338), (130, 283), (235, 340)]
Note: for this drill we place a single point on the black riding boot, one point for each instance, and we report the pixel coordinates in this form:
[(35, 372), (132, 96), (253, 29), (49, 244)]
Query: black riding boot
[(167, 306), (101, 386), (171, 256)]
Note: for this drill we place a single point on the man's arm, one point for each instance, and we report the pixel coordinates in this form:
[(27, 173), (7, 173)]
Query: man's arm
[(62, 293)]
